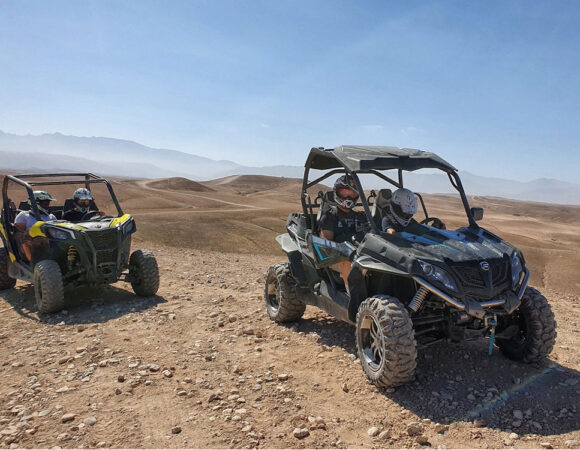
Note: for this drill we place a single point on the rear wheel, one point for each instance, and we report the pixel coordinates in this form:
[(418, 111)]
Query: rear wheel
[(48, 287), (6, 281), (385, 341), (282, 303), (144, 273), (535, 328)]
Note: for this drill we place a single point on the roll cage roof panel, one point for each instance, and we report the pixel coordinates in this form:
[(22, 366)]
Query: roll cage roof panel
[(355, 158), (29, 181)]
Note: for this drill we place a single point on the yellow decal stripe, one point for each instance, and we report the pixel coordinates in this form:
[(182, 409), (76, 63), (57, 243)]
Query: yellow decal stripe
[(36, 231), (119, 220), (10, 254)]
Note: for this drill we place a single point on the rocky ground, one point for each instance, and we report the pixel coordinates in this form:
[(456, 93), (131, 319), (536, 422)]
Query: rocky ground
[(201, 365)]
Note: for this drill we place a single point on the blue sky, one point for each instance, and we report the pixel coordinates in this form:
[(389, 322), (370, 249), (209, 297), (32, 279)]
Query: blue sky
[(493, 87)]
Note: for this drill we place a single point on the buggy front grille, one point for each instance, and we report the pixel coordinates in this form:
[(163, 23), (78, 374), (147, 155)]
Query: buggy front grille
[(474, 279), (104, 239)]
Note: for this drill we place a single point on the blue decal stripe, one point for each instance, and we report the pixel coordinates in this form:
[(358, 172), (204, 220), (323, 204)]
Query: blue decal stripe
[(322, 258)]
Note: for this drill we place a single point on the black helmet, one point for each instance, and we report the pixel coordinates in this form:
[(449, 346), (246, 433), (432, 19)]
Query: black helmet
[(345, 182)]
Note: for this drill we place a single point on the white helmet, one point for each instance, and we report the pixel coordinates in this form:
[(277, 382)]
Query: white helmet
[(403, 205)]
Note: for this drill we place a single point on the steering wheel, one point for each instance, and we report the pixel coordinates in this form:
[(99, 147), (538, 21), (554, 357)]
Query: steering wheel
[(437, 223)]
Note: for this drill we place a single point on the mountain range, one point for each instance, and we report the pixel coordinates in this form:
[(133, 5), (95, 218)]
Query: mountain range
[(116, 157)]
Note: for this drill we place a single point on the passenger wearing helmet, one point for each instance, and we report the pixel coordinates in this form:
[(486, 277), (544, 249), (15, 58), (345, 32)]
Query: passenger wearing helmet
[(83, 200), (399, 214), (339, 223), (30, 246)]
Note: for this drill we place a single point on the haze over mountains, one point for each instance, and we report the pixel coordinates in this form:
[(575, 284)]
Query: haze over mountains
[(116, 157)]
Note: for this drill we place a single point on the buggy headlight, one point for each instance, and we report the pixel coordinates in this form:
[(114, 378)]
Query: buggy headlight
[(438, 275), (58, 233), (516, 268), (129, 227)]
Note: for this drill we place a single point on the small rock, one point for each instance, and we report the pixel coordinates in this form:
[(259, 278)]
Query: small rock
[(422, 440), (67, 417), (176, 430), (383, 435), (181, 393), (441, 428), (344, 387), (546, 445), (154, 367), (479, 423), (373, 431), (167, 373), (117, 391), (283, 377), (300, 433), (232, 318), (518, 414), (101, 444), (62, 437), (90, 421), (121, 378), (517, 423), (571, 443), (513, 436), (414, 429)]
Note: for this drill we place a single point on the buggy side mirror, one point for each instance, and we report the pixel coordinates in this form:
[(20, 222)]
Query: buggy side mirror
[(477, 214)]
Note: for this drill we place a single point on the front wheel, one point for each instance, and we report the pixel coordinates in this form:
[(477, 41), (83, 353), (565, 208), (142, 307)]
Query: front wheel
[(385, 341), (535, 328), (282, 303), (6, 281), (48, 287), (144, 273)]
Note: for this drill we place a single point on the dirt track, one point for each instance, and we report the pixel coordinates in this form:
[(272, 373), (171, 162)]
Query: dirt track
[(201, 365)]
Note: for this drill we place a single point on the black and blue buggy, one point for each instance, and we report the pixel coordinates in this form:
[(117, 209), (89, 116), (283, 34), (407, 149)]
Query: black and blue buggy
[(91, 252), (409, 289)]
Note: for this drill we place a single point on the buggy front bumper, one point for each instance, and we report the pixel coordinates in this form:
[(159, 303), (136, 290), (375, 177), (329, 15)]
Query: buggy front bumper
[(477, 309)]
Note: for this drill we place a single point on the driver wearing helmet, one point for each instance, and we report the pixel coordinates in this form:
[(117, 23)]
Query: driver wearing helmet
[(399, 214), (339, 223), (82, 199), (34, 248)]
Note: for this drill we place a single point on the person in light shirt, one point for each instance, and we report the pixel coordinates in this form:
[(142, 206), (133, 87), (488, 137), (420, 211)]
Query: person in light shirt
[(34, 248)]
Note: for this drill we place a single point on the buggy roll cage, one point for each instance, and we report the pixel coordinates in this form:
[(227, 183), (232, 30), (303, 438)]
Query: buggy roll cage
[(89, 179), (351, 160)]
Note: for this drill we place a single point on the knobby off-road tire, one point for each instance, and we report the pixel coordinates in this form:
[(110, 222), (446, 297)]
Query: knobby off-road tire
[(6, 282), (282, 303), (537, 329), (48, 287), (144, 273), (385, 341)]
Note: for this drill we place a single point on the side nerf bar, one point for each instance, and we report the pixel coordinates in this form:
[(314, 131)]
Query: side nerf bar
[(460, 305)]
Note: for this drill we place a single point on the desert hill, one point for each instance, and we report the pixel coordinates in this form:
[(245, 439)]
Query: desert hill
[(178, 184)]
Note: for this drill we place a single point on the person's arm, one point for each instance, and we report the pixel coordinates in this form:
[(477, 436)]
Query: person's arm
[(386, 226), (327, 225), (20, 222), (327, 234)]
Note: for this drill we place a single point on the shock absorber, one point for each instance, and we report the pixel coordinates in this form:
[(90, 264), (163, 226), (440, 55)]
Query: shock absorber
[(418, 299), (72, 256)]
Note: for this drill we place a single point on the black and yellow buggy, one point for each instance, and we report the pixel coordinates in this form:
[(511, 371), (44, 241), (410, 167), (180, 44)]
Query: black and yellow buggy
[(94, 251)]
